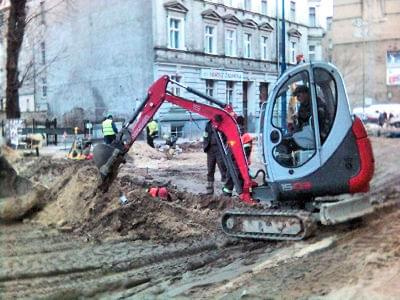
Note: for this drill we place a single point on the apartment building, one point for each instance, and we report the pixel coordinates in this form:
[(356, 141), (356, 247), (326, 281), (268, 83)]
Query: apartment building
[(365, 45), (101, 56)]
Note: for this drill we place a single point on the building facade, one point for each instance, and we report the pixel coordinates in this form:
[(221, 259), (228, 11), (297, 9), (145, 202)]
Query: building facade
[(365, 45), (100, 57)]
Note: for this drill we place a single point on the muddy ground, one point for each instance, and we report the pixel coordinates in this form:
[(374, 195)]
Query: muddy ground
[(80, 243)]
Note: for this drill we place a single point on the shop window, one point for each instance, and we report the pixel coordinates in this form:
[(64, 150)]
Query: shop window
[(177, 130), (229, 92), (210, 87)]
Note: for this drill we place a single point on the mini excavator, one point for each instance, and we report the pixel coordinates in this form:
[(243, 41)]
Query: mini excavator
[(328, 156)]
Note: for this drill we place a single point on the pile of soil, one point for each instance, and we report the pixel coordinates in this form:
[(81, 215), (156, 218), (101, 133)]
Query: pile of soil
[(18, 195), (9, 154), (146, 218), (140, 150), (71, 197), (75, 203)]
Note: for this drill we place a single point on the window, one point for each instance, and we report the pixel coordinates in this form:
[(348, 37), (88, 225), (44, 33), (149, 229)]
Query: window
[(175, 89), (175, 33), (247, 45), (177, 130), (311, 52), (229, 92), (42, 12), (326, 101), (247, 4), (293, 11), (293, 52), (43, 51), (230, 42), (210, 87), (264, 7), (292, 116), (311, 15), (263, 92), (44, 87), (329, 23), (264, 48), (210, 40)]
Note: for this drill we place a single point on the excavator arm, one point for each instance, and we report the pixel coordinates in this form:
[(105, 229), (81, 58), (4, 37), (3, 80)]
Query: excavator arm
[(108, 158)]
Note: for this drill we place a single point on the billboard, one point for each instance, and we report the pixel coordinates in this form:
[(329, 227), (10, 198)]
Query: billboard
[(393, 68)]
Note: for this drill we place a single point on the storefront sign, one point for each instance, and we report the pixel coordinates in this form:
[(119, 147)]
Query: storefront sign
[(393, 68), (221, 75)]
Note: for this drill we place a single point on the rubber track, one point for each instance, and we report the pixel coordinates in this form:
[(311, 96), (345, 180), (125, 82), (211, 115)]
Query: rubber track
[(307, 221)]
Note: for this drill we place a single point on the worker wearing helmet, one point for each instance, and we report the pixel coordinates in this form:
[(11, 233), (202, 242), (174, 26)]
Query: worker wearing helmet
[(304, 113), (109, 129)]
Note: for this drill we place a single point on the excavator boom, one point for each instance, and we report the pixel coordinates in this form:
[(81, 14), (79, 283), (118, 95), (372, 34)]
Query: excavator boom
[(108, 158)]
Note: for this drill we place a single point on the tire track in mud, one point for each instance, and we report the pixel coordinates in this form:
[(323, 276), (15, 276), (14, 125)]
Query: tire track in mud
[(63, 265)]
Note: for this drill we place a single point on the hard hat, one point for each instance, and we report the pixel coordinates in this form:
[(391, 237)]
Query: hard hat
[(109, 116)]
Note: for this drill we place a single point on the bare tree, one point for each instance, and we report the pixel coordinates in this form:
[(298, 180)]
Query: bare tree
[(19, 22), (15, 36)]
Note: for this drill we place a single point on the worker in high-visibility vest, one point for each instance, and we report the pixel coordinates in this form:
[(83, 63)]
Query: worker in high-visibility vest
[(152, 132), (109, 130)]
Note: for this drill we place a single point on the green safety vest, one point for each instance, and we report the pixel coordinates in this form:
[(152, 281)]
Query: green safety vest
[(107, 127), (153, 127)]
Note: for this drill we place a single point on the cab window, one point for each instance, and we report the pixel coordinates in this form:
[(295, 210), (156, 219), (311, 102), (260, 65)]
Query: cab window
[(325, 89), (292, 116)]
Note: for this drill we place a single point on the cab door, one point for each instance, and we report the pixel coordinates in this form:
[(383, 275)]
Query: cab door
[(295, 133)]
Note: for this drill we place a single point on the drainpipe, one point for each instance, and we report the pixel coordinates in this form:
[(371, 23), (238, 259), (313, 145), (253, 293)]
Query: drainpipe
[(277, 37), (283, 36)]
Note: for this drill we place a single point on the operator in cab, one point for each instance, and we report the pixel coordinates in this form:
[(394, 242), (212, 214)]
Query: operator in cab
[(304, 114)]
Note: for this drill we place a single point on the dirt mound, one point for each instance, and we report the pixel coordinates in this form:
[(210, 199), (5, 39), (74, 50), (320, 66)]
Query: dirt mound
[(141, 150), (10, 154), (71, 198), (143, 217), (18, 195), (75, 202)]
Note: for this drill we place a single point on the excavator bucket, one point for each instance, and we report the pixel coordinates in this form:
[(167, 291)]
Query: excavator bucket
[(107, 159), (101, 154)]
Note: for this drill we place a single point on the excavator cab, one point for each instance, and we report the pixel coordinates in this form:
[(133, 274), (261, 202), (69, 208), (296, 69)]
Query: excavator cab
[(312, 146), (310, 142)]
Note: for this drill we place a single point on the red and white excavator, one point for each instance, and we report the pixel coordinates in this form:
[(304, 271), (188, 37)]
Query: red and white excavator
[(332, 156)]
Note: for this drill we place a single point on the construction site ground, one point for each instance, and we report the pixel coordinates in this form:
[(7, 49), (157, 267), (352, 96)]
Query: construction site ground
[(78, 242)]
